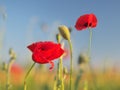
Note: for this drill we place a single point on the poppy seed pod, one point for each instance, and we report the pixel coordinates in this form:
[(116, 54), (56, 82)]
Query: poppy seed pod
[(64, 31)]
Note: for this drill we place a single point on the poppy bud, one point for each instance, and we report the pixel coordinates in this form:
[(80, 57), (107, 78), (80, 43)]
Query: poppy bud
[(83, 58), (4, 66), (12, 53), (58, 37), (64, 31)]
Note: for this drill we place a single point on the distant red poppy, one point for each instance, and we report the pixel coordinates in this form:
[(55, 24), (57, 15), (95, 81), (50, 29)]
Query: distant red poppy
[(45, 52), (86, 21), (16, 73), (66, 53)]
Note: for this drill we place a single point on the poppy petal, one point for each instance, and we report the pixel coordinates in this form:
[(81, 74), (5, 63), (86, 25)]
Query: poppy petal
[(52, 65)]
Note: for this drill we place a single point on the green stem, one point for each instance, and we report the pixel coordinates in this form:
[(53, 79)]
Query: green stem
[(89, 54), (25, 86), (90, 42), (58, 77), (55, 83), (8, 73), (71, 63), (78, 79), (61, 73)]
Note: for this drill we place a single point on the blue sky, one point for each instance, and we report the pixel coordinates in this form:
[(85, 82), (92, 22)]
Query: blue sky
[(24, 19)]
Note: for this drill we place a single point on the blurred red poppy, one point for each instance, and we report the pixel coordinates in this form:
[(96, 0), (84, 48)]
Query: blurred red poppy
[(66, 53), (45, 52), (17, 73), (86, 21)]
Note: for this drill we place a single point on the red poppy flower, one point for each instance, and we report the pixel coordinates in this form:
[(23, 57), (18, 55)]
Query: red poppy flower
[(86, 21), (45, 52)]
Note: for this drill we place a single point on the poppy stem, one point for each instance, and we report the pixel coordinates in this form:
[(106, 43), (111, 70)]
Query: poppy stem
[(90, 42), (71, 63), (60, 69), (89, 54), (8, 73), (55, 83), (61, 73), (25, 86)]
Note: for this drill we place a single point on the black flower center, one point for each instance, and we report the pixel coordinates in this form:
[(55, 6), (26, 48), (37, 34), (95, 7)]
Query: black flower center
[(43, 48), (88, 25)]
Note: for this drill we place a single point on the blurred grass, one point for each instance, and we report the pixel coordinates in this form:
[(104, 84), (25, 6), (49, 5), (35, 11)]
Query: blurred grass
[(44, 80)]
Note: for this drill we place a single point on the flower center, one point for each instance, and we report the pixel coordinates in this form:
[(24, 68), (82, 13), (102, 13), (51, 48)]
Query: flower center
[(43, 48), (88, 25)]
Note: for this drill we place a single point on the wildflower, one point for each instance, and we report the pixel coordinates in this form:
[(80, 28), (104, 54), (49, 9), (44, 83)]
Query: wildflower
[(86, 21), (45, 52)]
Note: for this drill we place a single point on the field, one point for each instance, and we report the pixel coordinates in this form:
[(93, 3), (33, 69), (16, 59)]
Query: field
[(59, 45), (43, 79)]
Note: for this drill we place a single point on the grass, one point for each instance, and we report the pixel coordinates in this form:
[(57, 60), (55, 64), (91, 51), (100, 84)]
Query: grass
[(44, 80)]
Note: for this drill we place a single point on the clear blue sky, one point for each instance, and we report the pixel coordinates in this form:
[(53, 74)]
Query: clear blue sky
[(24, 18)]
